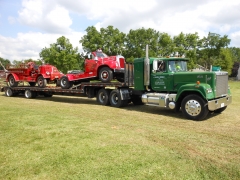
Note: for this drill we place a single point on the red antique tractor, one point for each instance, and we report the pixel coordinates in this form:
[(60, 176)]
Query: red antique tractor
[(32, 73), (98, 66)]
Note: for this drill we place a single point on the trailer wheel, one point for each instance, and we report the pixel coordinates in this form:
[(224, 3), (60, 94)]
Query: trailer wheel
[(30, 94), (194, 107), (103, 97), (115, 99), (41, 81), (105, 74), (9, 92), (32, 84), (65, 83), (12, 81)]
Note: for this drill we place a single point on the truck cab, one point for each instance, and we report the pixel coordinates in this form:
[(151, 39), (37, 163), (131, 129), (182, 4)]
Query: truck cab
[(98, 66), (174, 87)]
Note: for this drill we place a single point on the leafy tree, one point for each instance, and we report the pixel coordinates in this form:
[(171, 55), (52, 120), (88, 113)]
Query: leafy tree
[(113, 40), (235, 54), (210, 47), (165, 45), (92, 40), (62, 55), (136, 41), (109, 39), (225, 60), (4, 62)]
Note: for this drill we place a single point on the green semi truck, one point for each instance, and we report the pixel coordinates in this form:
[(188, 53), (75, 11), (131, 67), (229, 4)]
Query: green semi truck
[(163, 82)]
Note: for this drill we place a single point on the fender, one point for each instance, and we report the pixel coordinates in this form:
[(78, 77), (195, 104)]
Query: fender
[(204, 89), (14, 75)]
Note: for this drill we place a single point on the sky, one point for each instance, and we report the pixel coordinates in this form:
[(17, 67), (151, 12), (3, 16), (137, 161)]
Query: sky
[(28, 26)]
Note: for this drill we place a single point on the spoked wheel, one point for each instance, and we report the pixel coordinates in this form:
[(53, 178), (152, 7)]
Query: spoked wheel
[(105, 74), (194, 107), (103, 97), (41, 81), (30, 94), (115, 99), (12, 81), (65, 83)]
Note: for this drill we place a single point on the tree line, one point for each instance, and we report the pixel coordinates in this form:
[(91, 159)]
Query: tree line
[(210, 50)]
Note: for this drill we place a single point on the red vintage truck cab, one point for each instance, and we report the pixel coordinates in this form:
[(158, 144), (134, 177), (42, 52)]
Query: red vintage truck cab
[(98, 66)]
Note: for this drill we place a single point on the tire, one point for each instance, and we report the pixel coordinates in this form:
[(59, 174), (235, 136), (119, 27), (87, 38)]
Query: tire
[(41, 81), (115, 99), (220, 110), (105, 74), (9, 92), (30, 94), (194, 107), (12, 81), (65, 83), (103, 97), (32, 84)]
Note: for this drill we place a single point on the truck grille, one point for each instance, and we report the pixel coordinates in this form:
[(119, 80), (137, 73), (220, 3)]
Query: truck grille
[(221, 84)]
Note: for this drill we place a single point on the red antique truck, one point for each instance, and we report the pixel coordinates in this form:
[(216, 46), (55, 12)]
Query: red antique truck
[(32, 73), (98, 66)]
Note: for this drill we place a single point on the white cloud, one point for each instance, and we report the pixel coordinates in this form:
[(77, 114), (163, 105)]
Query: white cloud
[(29, 45)]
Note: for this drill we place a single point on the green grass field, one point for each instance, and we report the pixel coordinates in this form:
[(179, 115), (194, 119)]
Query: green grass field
[(75, 138)]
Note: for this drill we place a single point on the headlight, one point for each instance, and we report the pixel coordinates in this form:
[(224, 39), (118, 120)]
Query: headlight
[(48, 73), (209, 90)]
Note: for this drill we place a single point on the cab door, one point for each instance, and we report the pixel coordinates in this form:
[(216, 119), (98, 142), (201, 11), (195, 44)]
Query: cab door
[(161, 80)]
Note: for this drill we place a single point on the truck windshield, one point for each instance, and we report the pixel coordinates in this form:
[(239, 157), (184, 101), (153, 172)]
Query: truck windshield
[(101, 54), (177, 66)]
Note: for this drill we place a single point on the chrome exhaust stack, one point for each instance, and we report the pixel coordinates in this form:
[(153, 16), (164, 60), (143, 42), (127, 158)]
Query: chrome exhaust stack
[(146, 69)]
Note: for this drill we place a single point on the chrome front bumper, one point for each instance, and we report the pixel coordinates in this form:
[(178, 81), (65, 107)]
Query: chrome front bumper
[(219, 103)]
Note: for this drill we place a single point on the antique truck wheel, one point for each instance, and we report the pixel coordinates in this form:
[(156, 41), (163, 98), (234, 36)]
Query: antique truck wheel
[(12, 81), (105, 74), (41, 81), (194, 107), (103, 97), (65, 83)]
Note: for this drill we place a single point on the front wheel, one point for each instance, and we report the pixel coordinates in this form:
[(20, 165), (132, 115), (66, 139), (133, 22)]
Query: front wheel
[(194, 107), (41, 81), (65, 83), (103, 97), (12, 81), (105, 74), (115, 99)]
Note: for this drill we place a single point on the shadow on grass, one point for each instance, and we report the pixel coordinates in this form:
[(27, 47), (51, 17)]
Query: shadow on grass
[(130, 107)]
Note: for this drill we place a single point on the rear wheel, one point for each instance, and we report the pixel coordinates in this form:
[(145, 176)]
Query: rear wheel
[(194, 107), (115, 99), (9, 92), (12, 81), (41, 81), (105, 74), (103, 97), (30, 94)]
